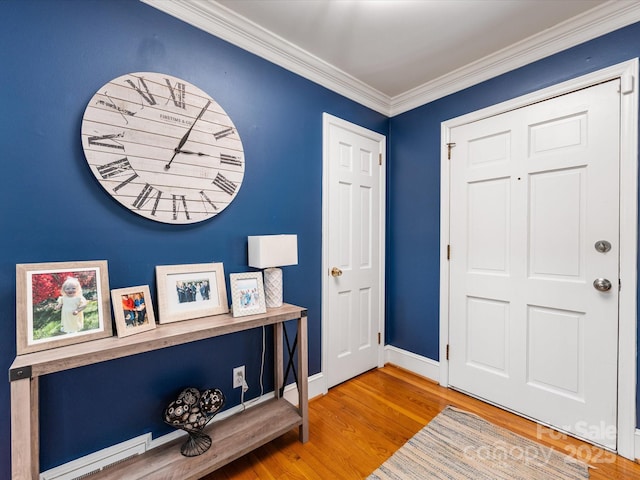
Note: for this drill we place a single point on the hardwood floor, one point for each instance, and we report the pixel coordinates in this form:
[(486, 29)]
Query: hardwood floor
[(360, 423)]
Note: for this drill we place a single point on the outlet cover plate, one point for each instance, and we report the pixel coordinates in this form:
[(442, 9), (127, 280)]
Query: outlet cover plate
[(238, 376)]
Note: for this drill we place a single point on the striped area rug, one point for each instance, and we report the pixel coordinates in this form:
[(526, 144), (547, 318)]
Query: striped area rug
[(460, 445)]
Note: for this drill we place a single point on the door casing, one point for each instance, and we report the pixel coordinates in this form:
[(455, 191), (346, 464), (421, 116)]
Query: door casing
[(327, 121), (628, 74)]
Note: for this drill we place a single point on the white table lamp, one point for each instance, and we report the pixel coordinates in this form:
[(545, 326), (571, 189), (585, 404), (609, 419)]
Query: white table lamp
[(270, 252)]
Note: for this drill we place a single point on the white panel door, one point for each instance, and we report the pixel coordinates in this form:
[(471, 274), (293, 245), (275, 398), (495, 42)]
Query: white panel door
[(354, 231), (532, 192)]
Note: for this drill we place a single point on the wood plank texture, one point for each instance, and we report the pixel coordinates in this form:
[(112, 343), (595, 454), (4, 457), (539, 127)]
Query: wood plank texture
[(166, 335), (360, 423), (22, 452), (232, 438)]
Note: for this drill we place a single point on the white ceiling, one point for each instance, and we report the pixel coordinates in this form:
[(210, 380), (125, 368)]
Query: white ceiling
[(397, 45), (393, 55)]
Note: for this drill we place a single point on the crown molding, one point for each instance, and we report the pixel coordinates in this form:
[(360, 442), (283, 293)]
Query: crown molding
[(218, 20), (598, 21)]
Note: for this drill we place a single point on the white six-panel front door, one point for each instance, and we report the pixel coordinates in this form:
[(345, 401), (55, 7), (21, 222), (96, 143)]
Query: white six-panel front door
[(532, 192)]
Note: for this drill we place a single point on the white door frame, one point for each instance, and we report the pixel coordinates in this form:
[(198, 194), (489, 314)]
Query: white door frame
[(628, 74), (327, 121)]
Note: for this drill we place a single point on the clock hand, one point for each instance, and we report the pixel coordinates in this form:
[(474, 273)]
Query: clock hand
[(189, 152), (184, 138)]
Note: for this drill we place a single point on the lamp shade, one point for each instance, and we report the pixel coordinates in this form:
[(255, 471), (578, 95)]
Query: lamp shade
[(266, 251)]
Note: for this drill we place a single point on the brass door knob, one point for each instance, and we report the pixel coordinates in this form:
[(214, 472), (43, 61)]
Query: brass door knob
[(336, 272)]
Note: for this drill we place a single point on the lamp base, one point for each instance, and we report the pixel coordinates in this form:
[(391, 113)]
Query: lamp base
[(273, 287)]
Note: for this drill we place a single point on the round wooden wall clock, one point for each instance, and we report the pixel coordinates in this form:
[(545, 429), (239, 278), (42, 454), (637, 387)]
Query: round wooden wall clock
[(163, 148)]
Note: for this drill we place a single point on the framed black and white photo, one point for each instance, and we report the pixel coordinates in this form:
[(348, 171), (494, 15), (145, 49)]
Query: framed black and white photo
[(247, 293), (190, 291), (132, 310), (60, 304)]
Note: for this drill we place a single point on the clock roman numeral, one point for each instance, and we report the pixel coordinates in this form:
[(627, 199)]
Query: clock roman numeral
[(146, 94), (116, 168), (206, 199), (112, 105), (126, 182), (177, 199), (224, 184), (177, 93), (101, 141), (148, 191), (230, 160), (223, 133)]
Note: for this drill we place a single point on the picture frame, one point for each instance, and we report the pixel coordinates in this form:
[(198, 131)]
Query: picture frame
[(60, 304), (132, 310), (247, 293), (190, 291)]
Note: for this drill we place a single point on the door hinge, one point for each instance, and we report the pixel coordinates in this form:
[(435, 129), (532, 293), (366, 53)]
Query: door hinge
[(447, 354), (448, 252), (449, 147), (627, 84), (380, 159), (379, 338)]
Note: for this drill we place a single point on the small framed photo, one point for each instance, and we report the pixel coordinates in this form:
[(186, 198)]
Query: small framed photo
[(132, 310), (247, 293), (60, 304), (191, 291)]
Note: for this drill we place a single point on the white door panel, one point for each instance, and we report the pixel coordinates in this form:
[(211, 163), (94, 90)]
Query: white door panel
[(354, 232), (532, 190)]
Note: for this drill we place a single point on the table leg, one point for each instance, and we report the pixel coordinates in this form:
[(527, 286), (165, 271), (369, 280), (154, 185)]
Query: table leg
[(25, 437), (303, 373), (278, 359)]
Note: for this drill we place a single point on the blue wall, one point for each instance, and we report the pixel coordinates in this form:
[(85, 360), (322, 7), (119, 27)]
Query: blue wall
[(54, 56), (414, 181)]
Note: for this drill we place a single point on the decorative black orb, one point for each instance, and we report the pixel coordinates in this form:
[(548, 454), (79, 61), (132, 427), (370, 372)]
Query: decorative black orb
[(191, 412)]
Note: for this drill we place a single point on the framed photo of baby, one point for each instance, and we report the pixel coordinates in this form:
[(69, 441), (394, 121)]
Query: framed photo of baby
[(132, 310), (62, 303)]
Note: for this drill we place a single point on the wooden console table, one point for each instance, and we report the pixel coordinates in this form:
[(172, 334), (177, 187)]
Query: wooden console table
[(232, 437)]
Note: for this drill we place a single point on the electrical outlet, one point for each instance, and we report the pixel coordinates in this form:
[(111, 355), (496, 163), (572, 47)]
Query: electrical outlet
[(238, 376)]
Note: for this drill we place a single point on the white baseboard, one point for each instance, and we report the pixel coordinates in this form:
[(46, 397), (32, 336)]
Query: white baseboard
[(414, 363), (637, 444), (317, 387)]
